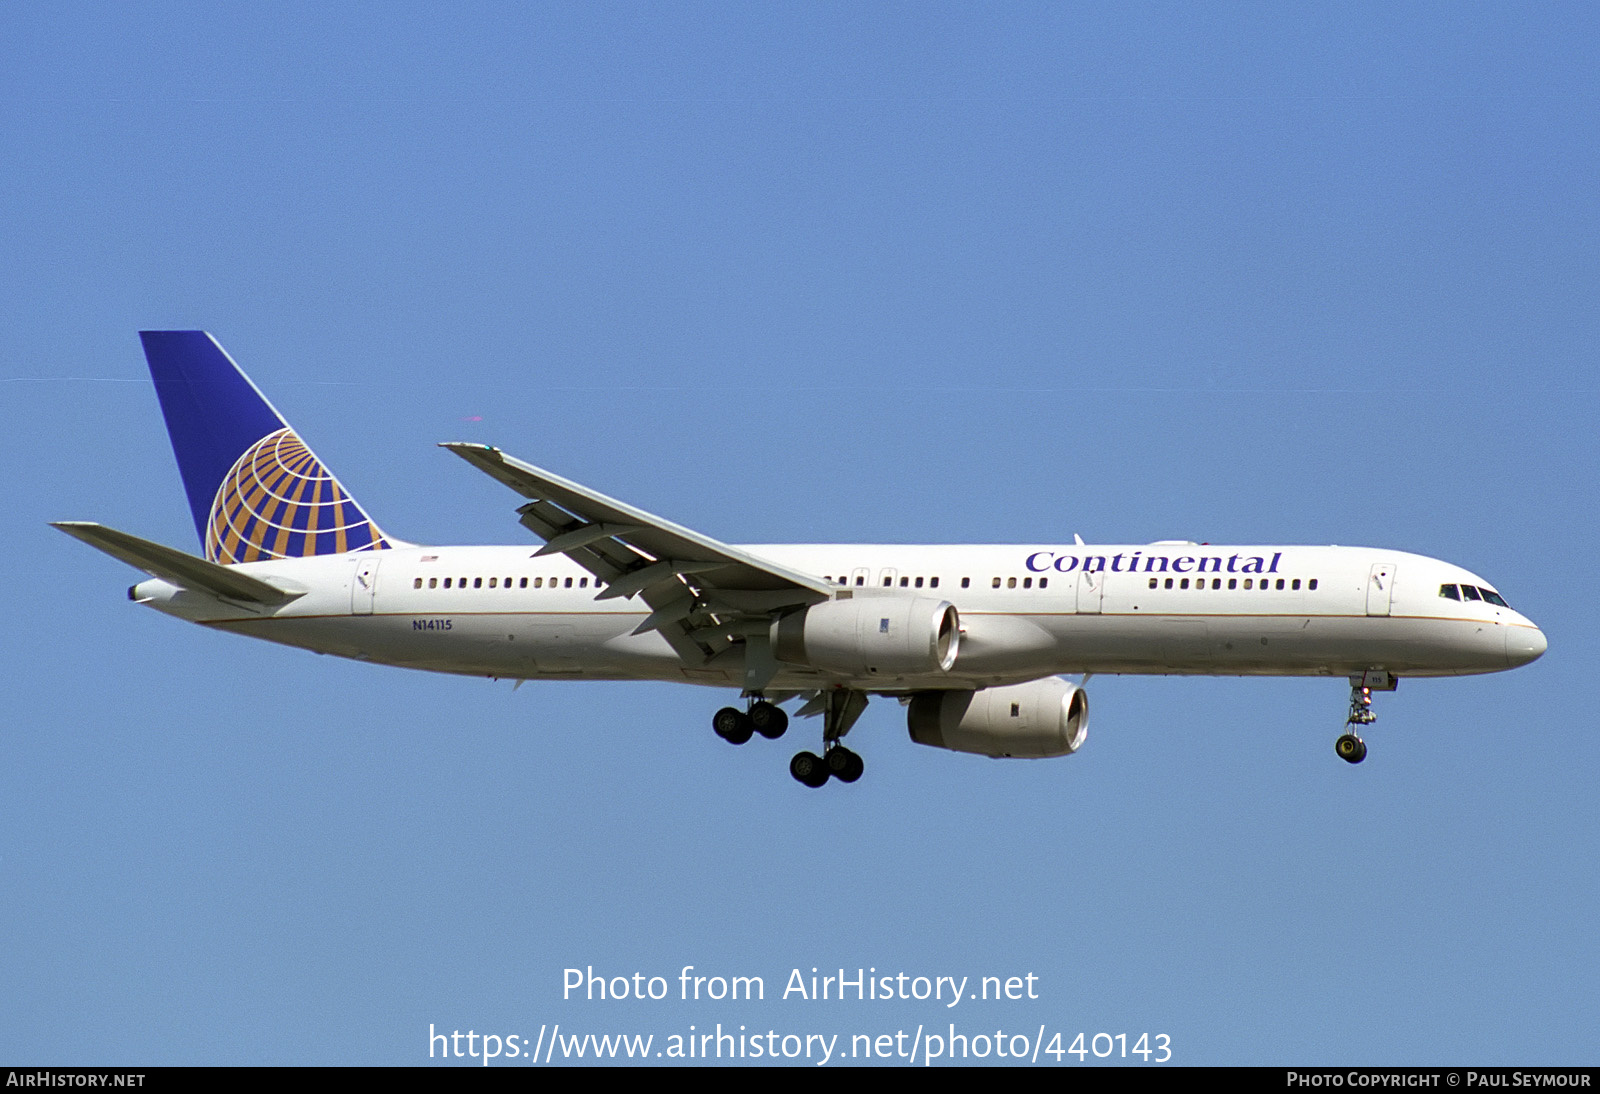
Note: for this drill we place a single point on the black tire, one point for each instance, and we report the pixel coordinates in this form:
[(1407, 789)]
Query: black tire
[(838, 760), (808, 769), (1350, 748), (852, 770), (732, 725), (770, 720)]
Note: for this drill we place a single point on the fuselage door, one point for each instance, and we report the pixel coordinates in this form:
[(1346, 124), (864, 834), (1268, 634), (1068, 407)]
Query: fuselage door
[(365, 585), (1380, 588), (1091, 586)]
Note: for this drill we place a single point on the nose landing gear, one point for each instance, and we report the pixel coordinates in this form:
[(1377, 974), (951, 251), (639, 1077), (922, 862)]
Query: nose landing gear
[(1349, 747)]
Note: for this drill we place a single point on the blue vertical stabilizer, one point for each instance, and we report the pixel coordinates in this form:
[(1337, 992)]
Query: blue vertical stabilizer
[(255, 489)]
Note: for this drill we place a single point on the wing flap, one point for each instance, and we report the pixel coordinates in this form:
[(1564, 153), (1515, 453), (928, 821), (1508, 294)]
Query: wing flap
[(648, 539), (704, 595)]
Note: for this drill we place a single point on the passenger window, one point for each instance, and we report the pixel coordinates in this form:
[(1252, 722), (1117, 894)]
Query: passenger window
[(1280, 584), (492, 582), (417, 584), (904, 581), (1247, 582), (1027, 583), (933, 583), (568, 583), (1184, 584), (477, 583), (966, 582), (1044, 582), (1295, 584), (1152, 583), (997, 583), (887, 582), (433, 583), (861, 580), (1169, 583), (1011, 583), (1233, 583), (583, 583), (1470, 593), (1312, 584), (1216, 583), (447, 583), (919, 583), (523, 584)]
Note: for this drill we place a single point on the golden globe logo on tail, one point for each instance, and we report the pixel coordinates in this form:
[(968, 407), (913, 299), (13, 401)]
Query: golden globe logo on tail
[(278, 501)]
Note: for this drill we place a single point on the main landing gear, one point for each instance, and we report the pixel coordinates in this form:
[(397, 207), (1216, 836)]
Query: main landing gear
[(836, 761), (737, 726), (840, 707), (1349, 747)]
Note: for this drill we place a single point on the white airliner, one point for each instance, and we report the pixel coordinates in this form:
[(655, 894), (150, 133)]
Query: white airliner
[(972, 639)]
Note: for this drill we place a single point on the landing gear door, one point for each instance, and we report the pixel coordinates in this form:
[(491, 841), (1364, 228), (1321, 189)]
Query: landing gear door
[(1091, 586), (365, 584), (1380, 588)]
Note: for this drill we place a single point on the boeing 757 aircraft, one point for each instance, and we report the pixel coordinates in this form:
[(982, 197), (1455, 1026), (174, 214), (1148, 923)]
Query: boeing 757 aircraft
[(974, 640)]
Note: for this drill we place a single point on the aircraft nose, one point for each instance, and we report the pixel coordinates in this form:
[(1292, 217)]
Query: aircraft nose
[(1524, 644)]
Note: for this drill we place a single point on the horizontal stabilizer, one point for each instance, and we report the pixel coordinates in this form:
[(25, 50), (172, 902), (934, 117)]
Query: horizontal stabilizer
[(180, 569)]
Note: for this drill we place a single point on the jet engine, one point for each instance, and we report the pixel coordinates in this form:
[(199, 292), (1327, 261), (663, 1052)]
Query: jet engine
[(871, 636), (1048, 717)]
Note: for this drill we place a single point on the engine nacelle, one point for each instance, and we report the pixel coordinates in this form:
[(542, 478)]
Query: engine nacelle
[(1048, 717), (871, 636)]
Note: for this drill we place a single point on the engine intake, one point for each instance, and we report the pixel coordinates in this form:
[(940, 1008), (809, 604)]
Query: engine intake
[(1048, 717), (871, 636)]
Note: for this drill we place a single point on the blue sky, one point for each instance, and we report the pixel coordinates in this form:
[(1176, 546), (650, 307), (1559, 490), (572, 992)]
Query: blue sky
[(903, 273)]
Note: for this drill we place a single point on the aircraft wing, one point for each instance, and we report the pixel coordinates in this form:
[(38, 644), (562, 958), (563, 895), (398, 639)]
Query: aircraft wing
[(169, 564), (705, 595)]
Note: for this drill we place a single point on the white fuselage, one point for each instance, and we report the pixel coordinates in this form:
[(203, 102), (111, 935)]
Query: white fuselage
[(1025, 611)]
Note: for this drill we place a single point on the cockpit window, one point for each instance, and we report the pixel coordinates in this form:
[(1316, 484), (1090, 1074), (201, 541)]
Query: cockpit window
[(1470, 593), (1494, 598), (1449, 592)]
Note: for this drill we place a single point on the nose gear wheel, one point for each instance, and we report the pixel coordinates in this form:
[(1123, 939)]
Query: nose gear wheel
[(1350, 748)]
